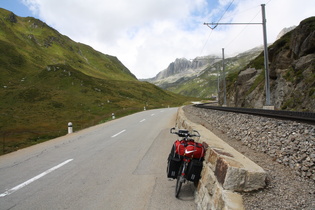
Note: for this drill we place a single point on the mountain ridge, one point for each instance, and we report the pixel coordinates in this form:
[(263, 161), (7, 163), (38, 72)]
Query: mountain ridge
[(194, 79), (48, 44)]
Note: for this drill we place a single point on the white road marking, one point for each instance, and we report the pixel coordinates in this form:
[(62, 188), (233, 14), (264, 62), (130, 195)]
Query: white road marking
[(152, 114), (12, 190), (142, 120), (118, 133)]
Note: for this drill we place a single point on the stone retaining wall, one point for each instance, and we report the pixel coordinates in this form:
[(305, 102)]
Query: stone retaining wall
[(225, 172)]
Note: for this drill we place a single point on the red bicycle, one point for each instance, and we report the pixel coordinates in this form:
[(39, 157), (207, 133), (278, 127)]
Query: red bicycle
[(186, 158)]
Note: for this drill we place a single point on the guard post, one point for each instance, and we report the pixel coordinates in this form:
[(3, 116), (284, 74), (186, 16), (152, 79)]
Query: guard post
[(70, 128)]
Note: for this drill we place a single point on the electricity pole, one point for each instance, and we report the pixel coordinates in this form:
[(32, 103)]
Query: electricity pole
[(223, 72), (267, 85), (218, 77)]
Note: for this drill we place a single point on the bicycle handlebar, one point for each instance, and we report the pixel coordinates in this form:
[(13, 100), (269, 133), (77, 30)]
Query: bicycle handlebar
[(185, 133)]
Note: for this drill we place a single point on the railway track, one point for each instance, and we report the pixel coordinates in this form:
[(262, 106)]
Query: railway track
[(289, 115)]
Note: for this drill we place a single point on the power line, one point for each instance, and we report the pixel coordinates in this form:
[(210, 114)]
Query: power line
[(243, 11), (226, 10), (218, 21), (250, 22), (241, 31), (206, 43), (267, 85), (222, 15)]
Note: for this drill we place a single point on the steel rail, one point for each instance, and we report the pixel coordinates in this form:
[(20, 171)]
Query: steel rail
[(291, 115)]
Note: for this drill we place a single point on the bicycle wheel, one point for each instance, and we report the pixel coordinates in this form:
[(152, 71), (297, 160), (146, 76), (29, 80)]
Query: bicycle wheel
[(179, 181), (178, 186)]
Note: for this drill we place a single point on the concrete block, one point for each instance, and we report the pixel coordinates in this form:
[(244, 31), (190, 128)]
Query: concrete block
[(255, 180), (232, 175), (235, 179)]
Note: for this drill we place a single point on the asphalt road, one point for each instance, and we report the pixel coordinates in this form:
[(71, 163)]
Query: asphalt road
[(120, 164)]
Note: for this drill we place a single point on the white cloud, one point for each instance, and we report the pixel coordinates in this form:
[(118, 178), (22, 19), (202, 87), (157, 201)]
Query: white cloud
[(146, 35)]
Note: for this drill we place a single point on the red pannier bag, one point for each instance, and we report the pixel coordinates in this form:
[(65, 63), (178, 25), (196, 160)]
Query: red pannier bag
[(189, 148)]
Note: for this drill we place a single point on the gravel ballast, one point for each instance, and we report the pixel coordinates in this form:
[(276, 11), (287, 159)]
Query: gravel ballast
[(284, 149)]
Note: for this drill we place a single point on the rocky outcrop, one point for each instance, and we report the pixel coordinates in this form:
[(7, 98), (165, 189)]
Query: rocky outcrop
[(292, 73), (179, 68), (284, 31), (12, 18)]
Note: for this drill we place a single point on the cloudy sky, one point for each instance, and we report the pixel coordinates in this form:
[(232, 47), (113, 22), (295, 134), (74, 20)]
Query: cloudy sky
[(147, 35)]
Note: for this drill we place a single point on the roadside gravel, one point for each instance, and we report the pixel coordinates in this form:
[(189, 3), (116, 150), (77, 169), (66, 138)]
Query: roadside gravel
[(286, 188)]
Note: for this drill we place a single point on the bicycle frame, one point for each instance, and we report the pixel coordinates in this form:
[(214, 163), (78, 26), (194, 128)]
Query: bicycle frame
[(182, 173)]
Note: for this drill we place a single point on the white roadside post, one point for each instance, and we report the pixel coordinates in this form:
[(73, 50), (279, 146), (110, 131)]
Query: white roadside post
[(113, 116), (70, 129)]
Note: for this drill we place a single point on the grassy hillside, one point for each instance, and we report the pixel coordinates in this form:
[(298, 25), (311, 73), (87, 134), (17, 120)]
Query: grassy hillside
[(48, 80), (31, 44)]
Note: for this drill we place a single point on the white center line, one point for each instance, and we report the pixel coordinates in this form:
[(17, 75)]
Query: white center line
[(12, 190), (118, 133), (142, 120)]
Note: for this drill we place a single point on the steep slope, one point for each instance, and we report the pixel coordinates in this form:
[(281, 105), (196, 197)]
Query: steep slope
[(48, 80), (36, 45), (292, 73)]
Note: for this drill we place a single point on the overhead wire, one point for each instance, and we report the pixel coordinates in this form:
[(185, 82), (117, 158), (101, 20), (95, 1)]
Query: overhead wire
[(215, 26), (223, 14), (235, 37), (229, 16), (245, 25), (206, 42)]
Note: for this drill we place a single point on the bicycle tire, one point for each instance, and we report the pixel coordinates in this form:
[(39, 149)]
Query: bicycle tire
[(179, 181), (178, 186)]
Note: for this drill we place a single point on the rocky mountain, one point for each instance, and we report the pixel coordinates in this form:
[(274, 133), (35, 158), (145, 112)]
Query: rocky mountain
[(199, 77), (48, 80), (292, 74), (182, 67)]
